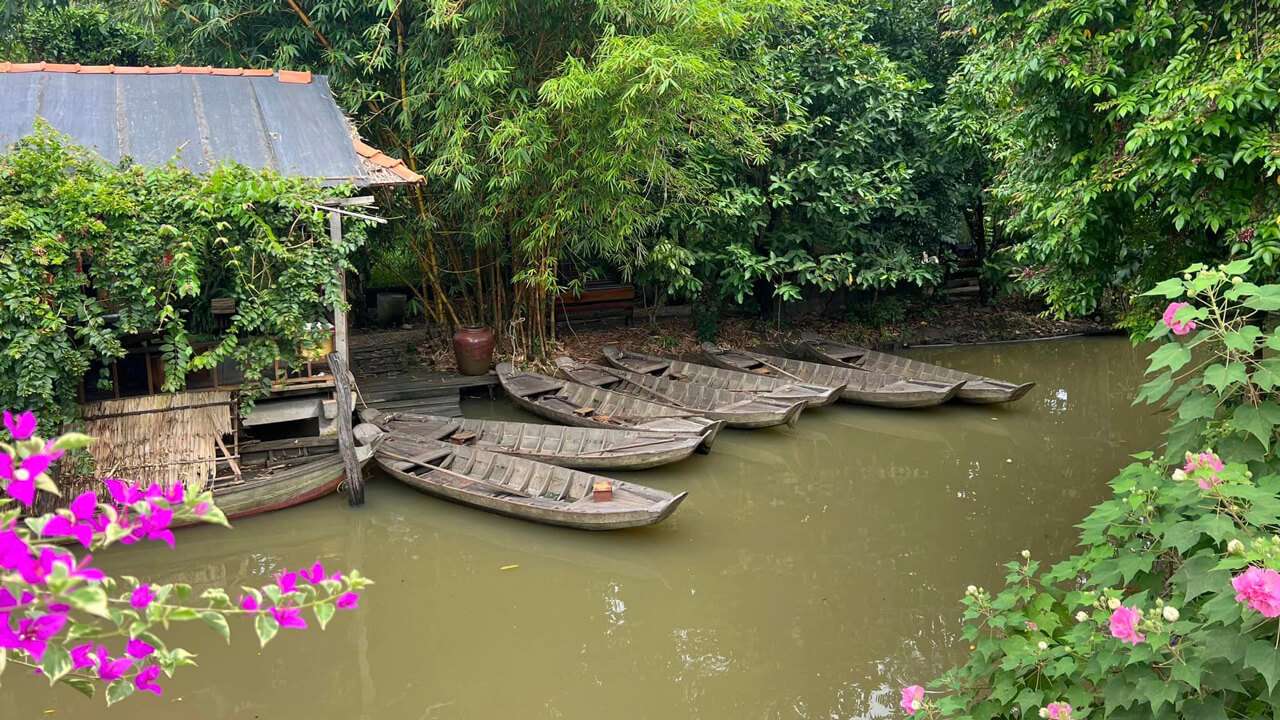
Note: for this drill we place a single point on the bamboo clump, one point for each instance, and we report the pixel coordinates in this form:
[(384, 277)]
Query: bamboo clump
[(163, 439)]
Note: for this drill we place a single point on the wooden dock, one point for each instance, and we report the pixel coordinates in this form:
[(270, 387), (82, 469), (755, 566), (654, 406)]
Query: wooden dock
[(428, 392)]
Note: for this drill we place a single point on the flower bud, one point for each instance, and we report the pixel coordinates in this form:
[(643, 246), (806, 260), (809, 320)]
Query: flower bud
[(1113, 603), (1235, 547), (1026, 553), (1042, 645), (1179, 475), (1082, 616), (1237, 280), (1044, 712), (915, 705), (1170, 613), (1186, 276), (971, 590)]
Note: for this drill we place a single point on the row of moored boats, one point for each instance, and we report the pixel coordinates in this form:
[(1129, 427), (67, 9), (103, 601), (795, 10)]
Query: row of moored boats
[(640, 411)]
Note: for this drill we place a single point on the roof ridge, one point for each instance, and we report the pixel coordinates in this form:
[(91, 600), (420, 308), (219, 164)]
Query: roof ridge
[(302, 77)]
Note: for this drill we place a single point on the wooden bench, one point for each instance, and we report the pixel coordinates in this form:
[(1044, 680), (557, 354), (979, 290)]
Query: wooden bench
[(599, 300)]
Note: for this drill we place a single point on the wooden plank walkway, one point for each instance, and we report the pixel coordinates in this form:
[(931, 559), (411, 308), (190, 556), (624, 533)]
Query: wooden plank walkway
[(429, 392)]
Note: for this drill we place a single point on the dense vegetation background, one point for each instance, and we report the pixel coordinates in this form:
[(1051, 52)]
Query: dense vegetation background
[(751, 154)]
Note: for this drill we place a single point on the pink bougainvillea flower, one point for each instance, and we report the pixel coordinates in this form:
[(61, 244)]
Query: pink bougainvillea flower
[(201, 509), (122, 493), (22, 426), (82, 656), (249, 602), (146, 680), (21, 476), (142, 596), (289, 617), (313, 575), (1059, 711), (348, 601), (1260, 588), (111, 668), (1178, 327), (912, 698), (1124, 621), (139, 649), (9, 600), (288, 581), (33, 634)]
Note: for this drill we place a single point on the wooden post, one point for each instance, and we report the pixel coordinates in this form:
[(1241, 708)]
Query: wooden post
[(346, 439), (339, 312)]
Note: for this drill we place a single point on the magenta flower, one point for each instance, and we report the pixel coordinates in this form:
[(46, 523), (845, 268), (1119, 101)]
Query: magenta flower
[(82, 656), (201, 509), (22, 426), (348, 601), (139, 649), (249, 602), (288, 582), (33, 634), (1059, 711), (142, 596), (315, 574), (912, 698), (1031, 627), (1178, 327), (22, 476), (1124, 621), (289, 617), (111, 669), (122, 493), (1260, 588), (79, 525), (9, 600), (145, 680)]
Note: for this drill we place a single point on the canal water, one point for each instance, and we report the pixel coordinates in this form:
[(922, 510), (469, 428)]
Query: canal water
[(811, 573)]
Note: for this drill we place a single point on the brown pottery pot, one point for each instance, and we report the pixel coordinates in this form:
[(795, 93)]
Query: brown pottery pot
[(473, 350)]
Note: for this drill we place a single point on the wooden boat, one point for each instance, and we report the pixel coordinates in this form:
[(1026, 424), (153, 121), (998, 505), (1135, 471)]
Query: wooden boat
[(721, 379), (868, 388), (574, 447), (571, 403), (522, 488), (738, 410), (266, 483), (976, 389)]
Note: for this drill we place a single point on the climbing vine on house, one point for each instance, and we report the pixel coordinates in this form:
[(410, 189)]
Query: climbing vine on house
[(95, 256)]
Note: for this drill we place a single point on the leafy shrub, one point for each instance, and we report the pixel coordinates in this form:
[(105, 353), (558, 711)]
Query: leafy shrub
[(1170, 609)]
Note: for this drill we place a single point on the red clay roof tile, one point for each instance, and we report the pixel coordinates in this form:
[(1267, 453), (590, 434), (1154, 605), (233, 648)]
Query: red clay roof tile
[(302, 77), (26, 67)]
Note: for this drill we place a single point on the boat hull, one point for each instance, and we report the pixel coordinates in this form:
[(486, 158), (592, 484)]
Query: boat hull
[(550, 495), (717, 377), (877, 389), (737, 410), (286, 488), (977, 389), (566, 446)]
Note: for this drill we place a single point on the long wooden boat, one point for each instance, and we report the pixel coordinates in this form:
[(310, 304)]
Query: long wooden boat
[(280, 484), (522, 488), (721, 379), (735, 409), (573, 447), (571, 403), (868, 388), (977, 389)]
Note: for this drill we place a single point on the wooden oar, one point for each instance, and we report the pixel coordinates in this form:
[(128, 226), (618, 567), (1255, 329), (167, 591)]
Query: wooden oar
[(755, 357), (458, 475)]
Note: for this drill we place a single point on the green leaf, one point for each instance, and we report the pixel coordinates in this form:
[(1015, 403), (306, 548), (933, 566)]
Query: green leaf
[(1170, 288), (324, 611), (1171, 355), (1220, 377), (216, 621), (1263, 657), (1199, 575), (1243, 340), (118, 690), (1251, 420), (266, 627), (1208, 707), (56, 663), (1267, 299), (91, 599), (1198, 405), (72, 441), (84, 686)]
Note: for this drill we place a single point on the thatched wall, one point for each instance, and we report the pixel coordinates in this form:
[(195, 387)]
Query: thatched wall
[(159, 438)]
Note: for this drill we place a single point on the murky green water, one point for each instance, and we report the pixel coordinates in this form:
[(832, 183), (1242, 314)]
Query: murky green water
[(811, 572)]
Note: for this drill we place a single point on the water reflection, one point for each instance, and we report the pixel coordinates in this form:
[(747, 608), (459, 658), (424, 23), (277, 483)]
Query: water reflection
[(811, 573)]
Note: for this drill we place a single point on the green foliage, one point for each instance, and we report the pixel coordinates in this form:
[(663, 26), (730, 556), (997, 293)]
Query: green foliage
[(854, 194), (89, 35), (1130, 138), (92, 256), (1167, 543)]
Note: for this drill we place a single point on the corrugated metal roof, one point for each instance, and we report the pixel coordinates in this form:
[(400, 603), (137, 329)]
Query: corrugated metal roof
[(286, 121)]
